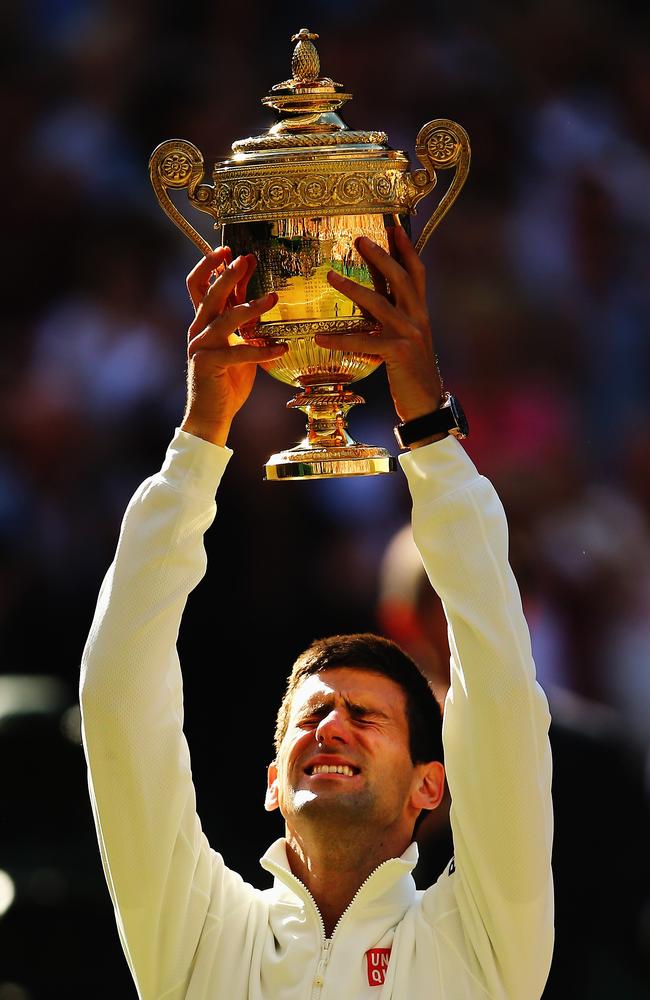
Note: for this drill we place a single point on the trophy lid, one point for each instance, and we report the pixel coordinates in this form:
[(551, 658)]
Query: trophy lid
[(307, 104), (310, 164)]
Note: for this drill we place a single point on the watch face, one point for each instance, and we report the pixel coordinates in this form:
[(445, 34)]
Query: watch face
[(459, 418)]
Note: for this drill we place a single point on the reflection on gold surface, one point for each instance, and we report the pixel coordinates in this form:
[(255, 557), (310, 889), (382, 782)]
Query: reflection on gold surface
[(307, 364), (294, 257)]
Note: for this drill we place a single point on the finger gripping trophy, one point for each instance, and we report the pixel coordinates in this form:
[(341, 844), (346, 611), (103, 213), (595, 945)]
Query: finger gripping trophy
[(298, 197)]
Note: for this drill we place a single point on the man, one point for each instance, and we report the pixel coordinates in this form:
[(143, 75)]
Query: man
[(353, 771)]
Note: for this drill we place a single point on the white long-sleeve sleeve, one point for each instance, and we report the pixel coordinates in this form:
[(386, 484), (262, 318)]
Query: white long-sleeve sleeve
[(496, 721), (160, 871)]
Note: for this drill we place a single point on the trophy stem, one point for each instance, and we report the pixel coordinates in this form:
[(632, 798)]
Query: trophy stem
[(326, 408), (327, 450)]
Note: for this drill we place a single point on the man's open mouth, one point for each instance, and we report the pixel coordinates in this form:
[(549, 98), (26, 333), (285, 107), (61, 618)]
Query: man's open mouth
[(332, 769)]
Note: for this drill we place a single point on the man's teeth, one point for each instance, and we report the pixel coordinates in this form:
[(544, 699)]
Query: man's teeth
[(333, 769)]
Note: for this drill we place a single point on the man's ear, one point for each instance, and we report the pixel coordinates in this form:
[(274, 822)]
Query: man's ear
[(430, 785), (271, 799)]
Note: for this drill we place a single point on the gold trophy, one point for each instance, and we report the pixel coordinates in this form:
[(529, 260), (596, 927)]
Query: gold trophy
[(298, 197)]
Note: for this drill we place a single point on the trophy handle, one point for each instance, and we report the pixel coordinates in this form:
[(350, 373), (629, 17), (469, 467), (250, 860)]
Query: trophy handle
[(441, 144), (178, 164)]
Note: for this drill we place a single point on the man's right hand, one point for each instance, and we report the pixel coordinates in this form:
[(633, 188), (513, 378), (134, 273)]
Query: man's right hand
[(221, 367)]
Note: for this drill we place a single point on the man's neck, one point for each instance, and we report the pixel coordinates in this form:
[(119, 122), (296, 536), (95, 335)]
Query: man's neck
[(334, 868)]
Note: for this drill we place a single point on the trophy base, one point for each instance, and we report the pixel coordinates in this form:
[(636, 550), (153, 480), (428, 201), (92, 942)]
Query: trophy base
[(304, 462)]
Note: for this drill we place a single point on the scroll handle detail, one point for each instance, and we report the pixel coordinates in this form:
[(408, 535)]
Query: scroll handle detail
[(178, 164), (440, 145)]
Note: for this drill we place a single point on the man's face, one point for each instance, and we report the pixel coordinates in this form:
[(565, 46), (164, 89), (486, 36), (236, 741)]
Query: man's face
[(345, 756)]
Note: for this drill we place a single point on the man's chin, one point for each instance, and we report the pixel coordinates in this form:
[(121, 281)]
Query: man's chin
[(330, 804), (303, 798)]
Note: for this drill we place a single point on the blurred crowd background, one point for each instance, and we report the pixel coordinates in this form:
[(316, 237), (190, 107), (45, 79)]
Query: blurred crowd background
[(540, 299)]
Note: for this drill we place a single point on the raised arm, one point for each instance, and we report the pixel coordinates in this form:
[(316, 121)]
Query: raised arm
[(496, 717), (160, 871), (495, 727)]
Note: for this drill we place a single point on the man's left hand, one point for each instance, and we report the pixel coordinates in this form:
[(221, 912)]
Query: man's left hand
[(405, 342)]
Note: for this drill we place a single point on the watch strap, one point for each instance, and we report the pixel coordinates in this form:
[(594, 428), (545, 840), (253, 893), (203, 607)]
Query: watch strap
[(444, 420)]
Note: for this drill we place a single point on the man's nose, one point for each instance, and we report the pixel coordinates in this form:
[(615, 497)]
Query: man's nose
[(333, 728)]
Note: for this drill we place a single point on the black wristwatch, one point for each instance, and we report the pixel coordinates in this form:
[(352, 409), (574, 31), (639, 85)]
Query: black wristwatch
[(449, 418)]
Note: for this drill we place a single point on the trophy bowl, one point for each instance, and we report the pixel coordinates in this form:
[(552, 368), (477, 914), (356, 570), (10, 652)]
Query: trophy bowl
[(298, 197)]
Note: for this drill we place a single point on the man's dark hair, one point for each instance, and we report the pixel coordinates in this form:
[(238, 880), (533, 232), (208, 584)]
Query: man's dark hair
[(365, 651)]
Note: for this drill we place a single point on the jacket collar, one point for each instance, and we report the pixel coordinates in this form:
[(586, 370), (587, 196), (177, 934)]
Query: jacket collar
[(391, 882)]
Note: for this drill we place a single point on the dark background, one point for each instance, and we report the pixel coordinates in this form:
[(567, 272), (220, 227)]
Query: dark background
[(540, 301)]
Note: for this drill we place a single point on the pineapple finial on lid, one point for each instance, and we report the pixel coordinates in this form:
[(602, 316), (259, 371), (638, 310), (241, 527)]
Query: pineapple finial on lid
[(305, 64), (306, 91)]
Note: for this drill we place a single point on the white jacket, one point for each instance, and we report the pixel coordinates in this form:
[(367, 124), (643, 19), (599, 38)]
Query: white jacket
[(190, 927)]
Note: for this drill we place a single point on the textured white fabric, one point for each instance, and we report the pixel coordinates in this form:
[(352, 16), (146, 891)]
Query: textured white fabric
[(190, 927)]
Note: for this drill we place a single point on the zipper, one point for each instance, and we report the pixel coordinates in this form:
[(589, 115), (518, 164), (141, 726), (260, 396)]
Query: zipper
[(319, 978), (354, 898), (326, 949)]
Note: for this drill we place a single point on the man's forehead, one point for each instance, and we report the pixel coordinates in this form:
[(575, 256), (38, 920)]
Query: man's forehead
[(349, 683)]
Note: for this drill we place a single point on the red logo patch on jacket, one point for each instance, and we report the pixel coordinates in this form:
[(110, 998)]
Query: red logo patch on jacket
[(377, 959)]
